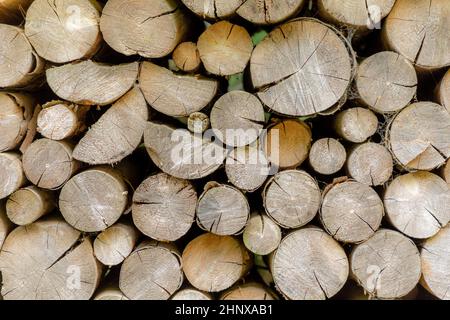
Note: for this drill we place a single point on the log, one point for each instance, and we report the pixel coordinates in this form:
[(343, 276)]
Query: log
[(356, 124), (222, 210), (269, 12), (288, 143), (351, 211), (59, 120), (237, 118), (327, 156), (117, 133), (175, 95), (446, 172), (94, 199), (180, 154), (12, 176), (152, 272), (92, 83), (191, 294), (5, 224), (15, 115), (261, 235), (164, 207), (187, 57), (435, 263), (11, 11), (63, 31), (292, 198), (418, 204), (418, 31), (113, 245), (370, 163), (29, 204), (110, 294), (417, 136), (387, 265), (309, 265), (151, 30), (198, 122), (213, 9), (308, 72), (55, 259), (214, 263), (20, 65), (249, 291), (247, 168), (386, 82), (49, 164), (443, 91), (225, 48)]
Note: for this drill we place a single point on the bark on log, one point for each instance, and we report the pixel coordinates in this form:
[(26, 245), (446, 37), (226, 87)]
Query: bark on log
[(222, 210), (11, 11), (29, 204), (187, 57), (149, 29), (309, 264), (418, 136), (351, 212), (59, 120), (12, 176), (370, 163), (191, 294), (175, 95), (249, 291), (152, 272), (225, 48), (356, 124), (15, 115), (443, 91), (20, 65), (62, 31), (327, 156), (48, 164), (321, 63), (261, 235), (269, 12), (113, 245), (164, 207), (292, 198), (109, 294), (213, 9), (117, 133), (55, 260), (386, 82), (214, 263), (92, 83), (418, 204), (387, 265), (5, 224), (94, 199), (418, 31)]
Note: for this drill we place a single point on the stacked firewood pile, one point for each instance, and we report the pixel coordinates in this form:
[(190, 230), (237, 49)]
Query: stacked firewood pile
[(224, 149)]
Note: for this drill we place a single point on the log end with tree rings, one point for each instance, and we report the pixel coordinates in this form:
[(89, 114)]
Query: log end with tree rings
[(48, 164), (198, 122), (191, 294), (164, 207), (356, 124), (187, 57), (213, 9), (299, 79), (175, 95), (418, 204), (309, 265), (11, 11), (5, 224), (94, 199), (222, 210), (20, 64), (56, 260), (386, 82), (214, 263), (387, 265), (64, 31), (152, 272), (12, 176), (261, 235), (351, 211), (265, 12), (443, 91), (370, 163), (418, 136), (225, 48), (248, 291), (237, 118), (16, 111), (292, 198), (327, 156), (29, 204)]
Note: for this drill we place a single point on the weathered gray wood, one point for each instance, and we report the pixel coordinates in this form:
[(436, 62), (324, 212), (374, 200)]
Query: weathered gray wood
[(261, 235), (327, 156), (12, 176), (213, 9), (269, 12), (356, 124)]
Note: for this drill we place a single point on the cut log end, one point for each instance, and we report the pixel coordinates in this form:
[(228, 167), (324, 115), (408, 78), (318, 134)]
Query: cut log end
[(327, 156), (443, 91), (248, 291), (12, 176), (261, 235), (213, 9), (269, 12), (198, 122), (187, 57), (356, 124)]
